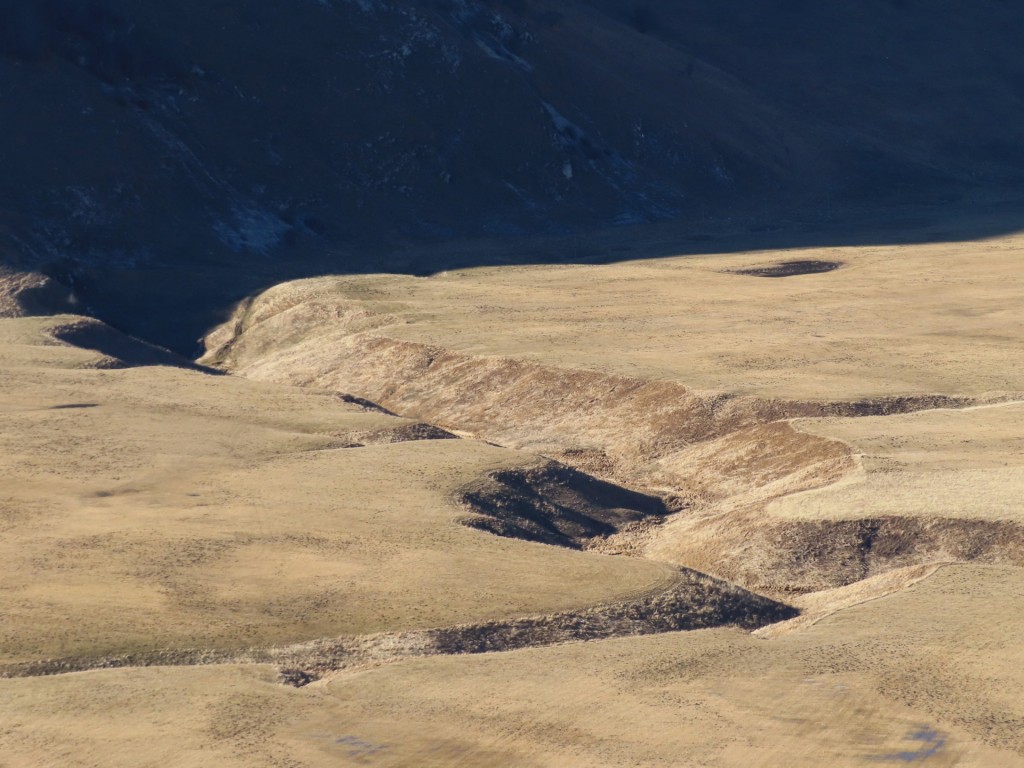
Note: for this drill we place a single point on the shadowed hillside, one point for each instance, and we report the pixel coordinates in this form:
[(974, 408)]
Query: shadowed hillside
[(161, 160)]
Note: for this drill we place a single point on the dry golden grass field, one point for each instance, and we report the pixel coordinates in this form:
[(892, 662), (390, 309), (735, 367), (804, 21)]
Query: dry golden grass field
[(703, 511)]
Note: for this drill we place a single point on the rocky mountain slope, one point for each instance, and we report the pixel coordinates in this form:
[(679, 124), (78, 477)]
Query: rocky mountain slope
[(162, 160)]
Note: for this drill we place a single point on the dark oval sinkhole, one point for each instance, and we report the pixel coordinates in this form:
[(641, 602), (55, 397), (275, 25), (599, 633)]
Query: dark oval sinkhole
[(790, 268)]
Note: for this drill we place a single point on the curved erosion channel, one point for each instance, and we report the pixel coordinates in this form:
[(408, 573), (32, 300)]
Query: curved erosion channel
[(614, 426), (548, 503), (709, 463), (715, 459), (692, 601)]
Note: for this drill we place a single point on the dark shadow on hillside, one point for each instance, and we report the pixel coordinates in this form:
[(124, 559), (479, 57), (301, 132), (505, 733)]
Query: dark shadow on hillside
[(164, 160), (122, 350), (174, 306)]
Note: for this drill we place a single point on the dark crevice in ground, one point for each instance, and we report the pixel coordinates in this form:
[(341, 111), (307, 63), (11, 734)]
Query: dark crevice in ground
[(790, 269), (406, 433), (364, 404), (693, 601), (800, 556), (124, 351), (555, 504)]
